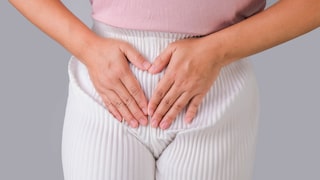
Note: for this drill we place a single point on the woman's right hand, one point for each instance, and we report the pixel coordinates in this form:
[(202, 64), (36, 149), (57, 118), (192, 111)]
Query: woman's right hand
[(107, 61)]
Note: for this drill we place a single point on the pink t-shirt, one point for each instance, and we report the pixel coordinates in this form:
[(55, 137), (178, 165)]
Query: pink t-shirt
[(198, 17)]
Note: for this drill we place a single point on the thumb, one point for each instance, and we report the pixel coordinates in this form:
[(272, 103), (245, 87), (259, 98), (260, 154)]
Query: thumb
[(161, 61), (135, 57)]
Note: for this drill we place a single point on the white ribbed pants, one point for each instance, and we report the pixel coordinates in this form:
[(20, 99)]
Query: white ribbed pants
[(218, 145)]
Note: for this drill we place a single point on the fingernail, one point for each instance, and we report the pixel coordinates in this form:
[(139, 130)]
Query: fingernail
[(144, 122), (152, 68), (188, 120), (134, 124), (164, 125), (154, 124), (146, 65)]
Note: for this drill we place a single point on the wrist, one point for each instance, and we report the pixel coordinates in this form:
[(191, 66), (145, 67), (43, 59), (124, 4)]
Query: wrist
[(86, 47), (215, 46), (225, 45)]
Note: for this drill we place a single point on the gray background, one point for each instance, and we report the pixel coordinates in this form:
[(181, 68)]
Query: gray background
[(33, 76)]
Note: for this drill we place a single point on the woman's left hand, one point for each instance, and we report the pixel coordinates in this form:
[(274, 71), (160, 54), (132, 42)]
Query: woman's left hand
[(192, 67)]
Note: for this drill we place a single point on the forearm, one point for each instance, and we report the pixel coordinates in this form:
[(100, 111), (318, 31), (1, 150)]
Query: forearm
[(53, 18), (283, 21)]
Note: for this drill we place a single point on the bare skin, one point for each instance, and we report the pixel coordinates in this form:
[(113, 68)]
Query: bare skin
[(192, 64), (123, 97)]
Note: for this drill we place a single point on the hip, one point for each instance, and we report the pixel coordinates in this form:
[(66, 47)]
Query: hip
[(235, 87)]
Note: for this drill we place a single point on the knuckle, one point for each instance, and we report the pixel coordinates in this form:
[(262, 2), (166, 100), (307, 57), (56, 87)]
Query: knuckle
[(187, 84), (172, 77), (117, 72), (151, 105), (141, 105), (193, 106), (127, 101), (158, 116), (159, 93), (134, 91), (123, 47), (139, 57), (161, 110), (178, 106), (170, 117), (167, 102), (140, 117), (193, 109), (97, 82), (111, 110), (117, 69), (128, 118), (107, 103), (118, 104), (135, 111)]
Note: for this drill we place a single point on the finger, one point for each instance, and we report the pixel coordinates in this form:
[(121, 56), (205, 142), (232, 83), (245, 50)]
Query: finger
[(111, 108), (165, 105), (134, 88), (135, 57), (162, 88), (193, 108), (122, 108), (177, 107), (130, 103), (162, 60)]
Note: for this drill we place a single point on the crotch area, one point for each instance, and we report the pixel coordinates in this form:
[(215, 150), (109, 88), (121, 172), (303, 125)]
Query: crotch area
[(150, 44), (154, 139)]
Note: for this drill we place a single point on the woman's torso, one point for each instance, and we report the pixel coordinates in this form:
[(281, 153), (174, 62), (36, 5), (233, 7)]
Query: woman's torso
[(150, 26)]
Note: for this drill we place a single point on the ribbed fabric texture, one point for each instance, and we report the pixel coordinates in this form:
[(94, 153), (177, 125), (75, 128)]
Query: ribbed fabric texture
[(218, 145), (199, 17)]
